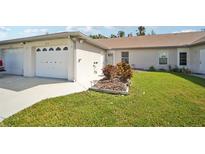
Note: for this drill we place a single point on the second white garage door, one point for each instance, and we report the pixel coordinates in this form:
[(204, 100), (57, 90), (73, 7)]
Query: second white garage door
[(13, 60), (52, 62)]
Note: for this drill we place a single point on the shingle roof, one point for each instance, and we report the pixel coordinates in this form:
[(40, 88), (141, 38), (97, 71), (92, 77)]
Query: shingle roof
[(148, 41), (154, 41)]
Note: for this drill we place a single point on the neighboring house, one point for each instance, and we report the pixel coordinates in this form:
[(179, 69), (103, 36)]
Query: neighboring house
[(177, 50), (77, 57)]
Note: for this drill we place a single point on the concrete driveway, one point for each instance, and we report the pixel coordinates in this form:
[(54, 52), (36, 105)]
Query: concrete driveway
[(18, 93)]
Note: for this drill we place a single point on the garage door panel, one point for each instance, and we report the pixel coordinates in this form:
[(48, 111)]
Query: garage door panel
[(13, 59), (52, 64)]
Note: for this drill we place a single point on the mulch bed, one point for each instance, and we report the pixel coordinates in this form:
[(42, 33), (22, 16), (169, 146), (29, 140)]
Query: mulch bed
[(114, 84)]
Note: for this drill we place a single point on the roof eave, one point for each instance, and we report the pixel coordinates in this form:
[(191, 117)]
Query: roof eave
[(76, 34), (41, 37), (199, 43), (151, 47)]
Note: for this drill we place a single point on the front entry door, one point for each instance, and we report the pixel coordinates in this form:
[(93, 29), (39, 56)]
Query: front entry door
[(110, 58), (202, 61)]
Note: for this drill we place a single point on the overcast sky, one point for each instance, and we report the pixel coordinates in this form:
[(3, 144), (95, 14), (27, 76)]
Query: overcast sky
[(23, 31)]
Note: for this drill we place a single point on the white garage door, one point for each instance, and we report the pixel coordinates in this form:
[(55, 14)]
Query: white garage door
[(13, 60), (52, 62)]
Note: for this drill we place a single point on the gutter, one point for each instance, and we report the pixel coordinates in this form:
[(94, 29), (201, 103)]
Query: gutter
[(183, 46)]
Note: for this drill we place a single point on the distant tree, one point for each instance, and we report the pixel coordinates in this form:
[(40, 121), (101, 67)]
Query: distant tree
[(141, 31), (130, 35), (153, 32), (121, 34), (98, 36), (113, 36), (93, 36)]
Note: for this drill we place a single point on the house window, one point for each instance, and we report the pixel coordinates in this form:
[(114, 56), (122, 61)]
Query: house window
[(44, 49), (38, 50), (65, 48), (183, 58), (163, 59), (125, 57), (51, 49), (58, 49)]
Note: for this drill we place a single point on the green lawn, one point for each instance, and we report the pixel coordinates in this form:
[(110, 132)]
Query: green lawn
[(156, 99)]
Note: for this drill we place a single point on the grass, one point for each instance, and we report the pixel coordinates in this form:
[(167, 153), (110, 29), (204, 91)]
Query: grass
[(156, 99)]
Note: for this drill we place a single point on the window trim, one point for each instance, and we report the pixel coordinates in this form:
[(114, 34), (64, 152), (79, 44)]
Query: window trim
[(38, 50), (128, 57), (167, 56), (51, 49), (180, 50), (58, 49), (65, 48), (180, 58), (44, 49)]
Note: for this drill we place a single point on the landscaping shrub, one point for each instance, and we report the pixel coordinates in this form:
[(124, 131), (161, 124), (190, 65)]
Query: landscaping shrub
[(162, 70), (176, 69), (170, 68), (181, 70), (109, 71), (124, 71), (152, 68), (185, 71)]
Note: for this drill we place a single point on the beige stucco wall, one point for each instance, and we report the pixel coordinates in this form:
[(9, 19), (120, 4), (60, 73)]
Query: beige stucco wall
[(144, 58), (36, 43), (12, 46), (29, 61), (86, 55)]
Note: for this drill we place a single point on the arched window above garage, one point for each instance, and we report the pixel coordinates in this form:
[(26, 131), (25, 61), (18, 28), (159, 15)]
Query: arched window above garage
[(38, 50), (65, 48), (51, 49), (58, 49), (44, 49)]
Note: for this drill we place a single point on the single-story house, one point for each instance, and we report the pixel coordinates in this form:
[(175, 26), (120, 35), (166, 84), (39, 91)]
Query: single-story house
[(161, 51), (77, 57)]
